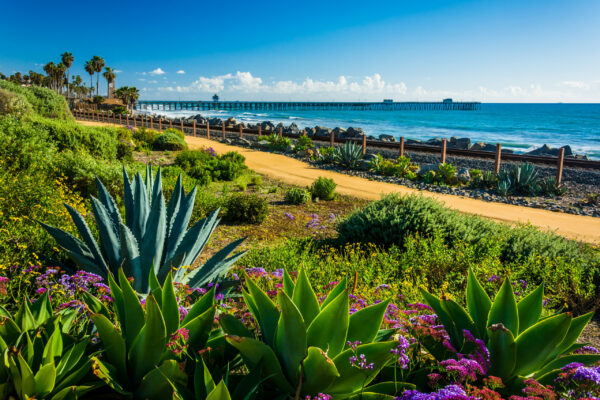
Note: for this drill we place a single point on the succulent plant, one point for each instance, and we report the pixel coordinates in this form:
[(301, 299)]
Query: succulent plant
[(522, 343), (40, 359), (137, 360), (154, 235), (348, 155), (304, 347), (521, 179)]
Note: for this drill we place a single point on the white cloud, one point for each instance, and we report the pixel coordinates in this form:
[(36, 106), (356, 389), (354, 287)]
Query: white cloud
[(576, 84), (153, 81), (181, 72), (157, 71), (117, 71)]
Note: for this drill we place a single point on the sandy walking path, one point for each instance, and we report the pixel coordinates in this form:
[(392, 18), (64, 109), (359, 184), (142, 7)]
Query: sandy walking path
[(295, 172), (299, 173)]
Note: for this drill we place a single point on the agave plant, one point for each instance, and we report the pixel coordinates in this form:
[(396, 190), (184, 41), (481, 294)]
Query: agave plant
[(348, 155), (521, 342), (138, 361), (304, 348), (40, 359), (153, 236), (519, 179)]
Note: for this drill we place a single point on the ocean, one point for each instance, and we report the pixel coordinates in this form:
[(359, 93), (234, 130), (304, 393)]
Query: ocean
[(520, 127)]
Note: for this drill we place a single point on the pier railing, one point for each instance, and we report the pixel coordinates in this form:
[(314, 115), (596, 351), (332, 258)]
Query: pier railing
[(222, 132)]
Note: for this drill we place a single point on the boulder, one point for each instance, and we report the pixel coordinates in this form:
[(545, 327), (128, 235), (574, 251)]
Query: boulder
[(215, 121), (293, 129), (426, 168), (483, 146), (460, 143), (413, 141), (339, 132), (309, 131), (267, 126), (434, 142), (354, 132), (241, 141), (387, 138), (463, 175), (546, 150), (364, 165), (263, 143), (322, 131)]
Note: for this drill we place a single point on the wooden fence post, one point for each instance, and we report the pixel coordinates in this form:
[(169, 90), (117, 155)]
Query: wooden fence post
[(331, 139), (160, 124), (303, 132), (127, 119), (498, 158), (170, 123), (559, 166), (444, 143), (194, 128), (182, 130), (223, 129), (134, 120), (207, 130), (401, 146), (280, 131), (241, 131), (259, 130), (364, 144), (142, 120), (120, 119)]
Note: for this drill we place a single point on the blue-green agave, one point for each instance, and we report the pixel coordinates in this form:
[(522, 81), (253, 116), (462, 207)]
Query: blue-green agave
[(154, 235), (304, 345), (522, 343)]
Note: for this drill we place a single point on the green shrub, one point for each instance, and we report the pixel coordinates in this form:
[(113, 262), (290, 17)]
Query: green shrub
[(297, 196), (276, 142), (323, 188), (13, 104), (191, 158), (176, 132), (144, 137), (446, 173), (256, 180), (169, 141), (120, 110), (402, 167), (202, 176), (303, 143), (125, 152), (246, 208), (549, 187), (44, 101), (326, 155)]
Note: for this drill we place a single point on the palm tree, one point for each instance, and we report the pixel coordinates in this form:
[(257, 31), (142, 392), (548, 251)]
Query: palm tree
[(60, 76), (110, 76), (67, 60), (90, 69), (98, 64), (50, 70), (129, 95)]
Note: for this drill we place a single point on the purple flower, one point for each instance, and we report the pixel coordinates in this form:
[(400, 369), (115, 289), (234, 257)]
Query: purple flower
[(400, 352), (354, 345), (464, 369), (360, 362), (289, 216), (453, 392), (278, 273), (494, 278), (3, 279), (586, 350)]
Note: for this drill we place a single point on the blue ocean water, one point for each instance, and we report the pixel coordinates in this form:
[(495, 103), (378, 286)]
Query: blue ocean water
[(520, 127)]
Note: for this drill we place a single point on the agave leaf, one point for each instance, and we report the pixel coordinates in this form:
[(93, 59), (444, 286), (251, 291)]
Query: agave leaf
[(462, 320), (158, 383), (75, 377), (107, 374), (128, 196), (169, 306), (109, 238), (41, 309), (305, 299), (557, 364), (288, 283), (153, 240), (174, 202), (364, 324), (503, 351), (530, 308), (217, 266), (180, 223), (290, 337), (44, 380), (233, 326), (339, 288), (329, 329), (220, 392), (131, 259), (24, 318), (73, 392), (9, 332), (109, 203), (199, 329), (444, 317), (133, 311), (200, 306), (53, 348), (196, 237), (578, 324), (203, 380), (351, 378), (478, 304), (141, 208), (319, 372), (157, 191), (118, 300), (88, 238), (77, 250), (256, 353), (504, 309), (71, 358), (149, 345), (113, 343), (268, 314), (536, 344), (148, 181), (386, 388)]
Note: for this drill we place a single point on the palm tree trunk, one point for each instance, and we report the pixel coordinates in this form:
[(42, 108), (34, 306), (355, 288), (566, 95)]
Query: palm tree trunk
[(97, 80), (68, 92)]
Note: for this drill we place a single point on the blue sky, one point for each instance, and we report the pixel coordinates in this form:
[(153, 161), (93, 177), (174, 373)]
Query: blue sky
[(496, 51)]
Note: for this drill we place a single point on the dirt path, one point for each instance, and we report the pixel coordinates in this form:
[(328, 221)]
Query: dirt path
[(299, 173), (296, 172)]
